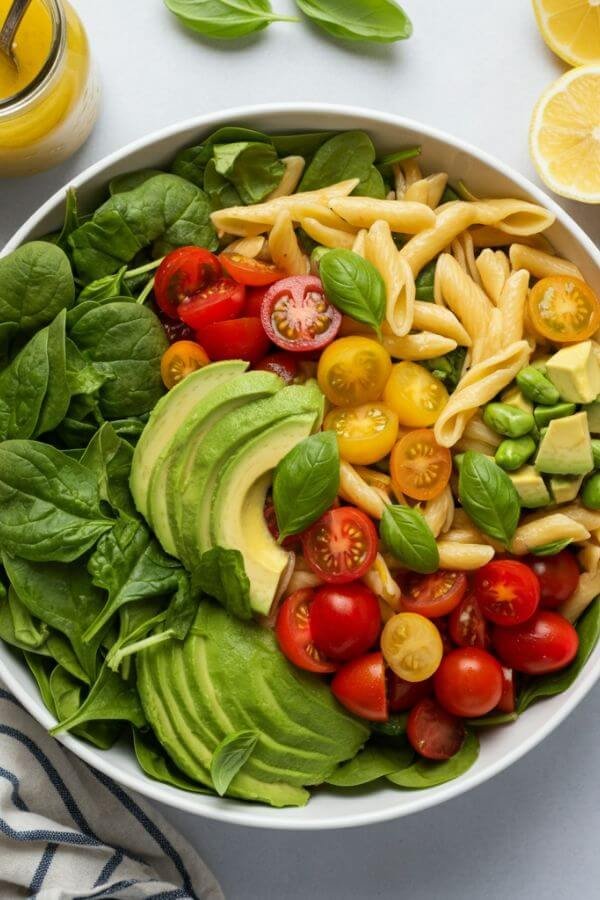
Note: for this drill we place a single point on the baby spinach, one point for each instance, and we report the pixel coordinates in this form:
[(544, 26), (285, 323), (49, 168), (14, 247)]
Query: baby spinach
[(448, 368), (408, 536), (110, 698), (253, 168), (424, 282), (225, 19), (136, 622), (155, 763), (304, 143), (489, 497), (62, 652), (372, 186), (71, 219), (41, 672), (372, 763), (67, 696), (219, 190), (425, 773), (108, 287), (382, 21), (230, 756), (306, 482), (221, 574), (355, 286), (109, 457), (23, 386), (58, 393), (347, 155), (28, 631), (131, 180)]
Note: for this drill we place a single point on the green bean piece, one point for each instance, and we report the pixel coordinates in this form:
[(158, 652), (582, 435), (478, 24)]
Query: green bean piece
[(544, 414), (508, 420), (596, 452), (536, 387), (590, 496), (514, 453)]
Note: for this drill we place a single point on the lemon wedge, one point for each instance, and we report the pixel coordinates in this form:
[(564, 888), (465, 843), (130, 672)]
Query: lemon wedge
[(571, 28), (564, 137)]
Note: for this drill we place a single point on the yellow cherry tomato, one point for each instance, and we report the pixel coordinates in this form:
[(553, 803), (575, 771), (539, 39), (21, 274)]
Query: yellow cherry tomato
[(564, 309), (353, 370), (412, 646), (181, 359), (417, 396), (365, 433)]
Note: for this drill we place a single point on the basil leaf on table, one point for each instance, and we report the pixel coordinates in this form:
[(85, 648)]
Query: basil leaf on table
[(408, 536), (489, 497), (306, 482), (155, 763), (347, 155), (230, 756), (67, 696), (372, 763), (424, 773), (225, 19), (221, 574), (355, 286), (253, 168), (382, 21), (110, 698)]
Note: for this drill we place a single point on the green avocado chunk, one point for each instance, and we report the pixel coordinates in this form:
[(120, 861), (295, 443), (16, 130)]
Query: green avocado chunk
[(565, 487), (593, 414), (575, 373), (566, 448), (531, 487)]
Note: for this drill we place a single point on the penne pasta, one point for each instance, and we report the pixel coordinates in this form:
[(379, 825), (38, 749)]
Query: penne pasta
[(402, 217), (284, 247), (464, 557), (539, 263), (381, 250)]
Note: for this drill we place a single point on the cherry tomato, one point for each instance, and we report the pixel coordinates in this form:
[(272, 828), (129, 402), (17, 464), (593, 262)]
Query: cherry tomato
[(508, 699), (415, 394), (412, 646), (564, 309), (433, 732), (365, 433), (353, 370), (403, 695), (294, 635), (345, 620), (420, 468), (508, 591), (434, 595), (443, 626), (468, 682), (180, 360), (558, 576), (254, 299), (545, 643), (175, 329), (292, 542), (250, 271), (221, 300), (341, 546), (235, 339), (360, 687), (467, 626), (283, 364), (182, 273), (297, 315)]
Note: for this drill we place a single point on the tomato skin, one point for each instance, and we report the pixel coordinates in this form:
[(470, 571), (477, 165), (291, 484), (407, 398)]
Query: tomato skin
[(283, 364), (403, 695), (468, 682), (365, 433), (508, 698), (354, 370), (508, 591), (297, 316), (417, 396), (345, 620), (360, 686), (294, 636), (180, 360), (254, 299), (221, 300), (182, 273), (434, 595), (433, 732), (341, 546), (235, 339), (467, 625), (558, 576), (564, 309), (545, 643), (250, 271), (412, 646), (420, 468)]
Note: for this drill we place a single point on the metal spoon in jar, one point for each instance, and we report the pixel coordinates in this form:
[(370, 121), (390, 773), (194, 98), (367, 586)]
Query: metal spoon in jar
[(9, 30)]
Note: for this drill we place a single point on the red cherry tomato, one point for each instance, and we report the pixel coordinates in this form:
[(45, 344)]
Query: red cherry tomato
[(558, 576), (235, 339), (341, 546), (175, 329), (545, 643), (468, 682), (508, 592), (403, 695), (219, 301), (467, 626), (443, 626), (254, 299), (297, 315), (508, 700), (250, 271), (283, 364), (360, 687), (182, 273), (434, 595), (433, 732), (294, 634), (345, 621)]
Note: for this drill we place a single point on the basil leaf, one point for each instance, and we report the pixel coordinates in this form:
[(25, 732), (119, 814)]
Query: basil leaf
[(588, 629), (225, 19), (155, 763), (382, 21), (306, 482), (489, 497), (424, 773), (253, 168), (221, 574), (551, 549), (347, 155), (408, 536), (229, 757), (424, 282), (372, 763), (355, 286)]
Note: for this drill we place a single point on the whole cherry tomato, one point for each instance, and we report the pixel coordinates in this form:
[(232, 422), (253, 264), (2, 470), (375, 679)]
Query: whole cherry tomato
[(545, 643), (345, 620), (235, 339), (360, 686), (508, 591), (182, 273), (558, 576), (468, 682)]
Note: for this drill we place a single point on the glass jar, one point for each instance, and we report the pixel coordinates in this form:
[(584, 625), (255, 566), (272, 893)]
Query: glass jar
[(49, 118)]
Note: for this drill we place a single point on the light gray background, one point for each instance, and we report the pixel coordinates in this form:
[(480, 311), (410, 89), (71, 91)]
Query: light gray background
[(475, 69)]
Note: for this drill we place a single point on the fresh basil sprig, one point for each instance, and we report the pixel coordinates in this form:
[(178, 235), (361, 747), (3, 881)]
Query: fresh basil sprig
[(225, 19), (306, 483), (552, 548), (408, 536), (381, 21), (229, 757), (354, 285), (489, 497)]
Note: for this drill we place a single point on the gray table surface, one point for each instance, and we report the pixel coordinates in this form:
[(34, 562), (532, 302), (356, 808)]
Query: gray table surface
[(474, 69)]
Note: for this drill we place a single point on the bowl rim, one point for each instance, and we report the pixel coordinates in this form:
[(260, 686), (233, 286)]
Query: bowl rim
[(269, 817)]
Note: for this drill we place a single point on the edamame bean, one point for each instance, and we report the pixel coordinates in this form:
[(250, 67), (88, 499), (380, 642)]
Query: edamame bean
[(544, 414), (536, 387), (596, 452), (590, 496), (315, 258), (514, 453), (508, 420)]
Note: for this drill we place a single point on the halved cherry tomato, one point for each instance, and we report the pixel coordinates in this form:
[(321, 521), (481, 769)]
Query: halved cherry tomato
[(403, 695), (507, 591), (254, 299), (434, 595), (412, 646), (443, 626), (468, 628), (297, 315), (564, 309), (250, 271), (235, 339), (365, 433), (175, 329), (181, 359), (360, 687), (433, 732), (558, 576), (415, 394), (182, 273), (341, 546), (468, 682), (545, 643), (219, 301), (353, 370), (344, 620), (420, 468), (294, 634), (508, 699), (283, 364)]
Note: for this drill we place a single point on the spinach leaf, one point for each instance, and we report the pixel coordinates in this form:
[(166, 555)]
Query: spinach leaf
[(191, 162), (252, 168), (424, 282), (110, 698), (230, 756), (107, 288), (372, 763), (182, 609), (220, 573), (489, 497), (347, 155), (408, 536), (83, 377), (304, 143), (393, 728), (491, 720), (424, 773), (136, 622), (109, 457), (219, 190), (7, 628), (382, 21), (154, 762), (67, 696), (372, 186), (49, 503), (225, 19), (131, 180), (23, 386), (58, 393), (29, 632), (41, 672), (355, 286), (71, 220), (588, 629), (449, 195), (448, 368), (62, 652), (306, 482)]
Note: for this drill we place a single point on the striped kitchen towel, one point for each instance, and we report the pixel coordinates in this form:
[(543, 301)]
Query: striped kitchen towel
[(67, 831)]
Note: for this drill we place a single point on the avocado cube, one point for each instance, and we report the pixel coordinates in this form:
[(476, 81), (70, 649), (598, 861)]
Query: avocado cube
[(566, 447), (575, 373), (531, 487), (565, 487), (593, 414), (514, 397)]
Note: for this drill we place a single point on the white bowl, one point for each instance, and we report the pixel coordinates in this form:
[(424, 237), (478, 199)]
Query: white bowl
[(486, 177)]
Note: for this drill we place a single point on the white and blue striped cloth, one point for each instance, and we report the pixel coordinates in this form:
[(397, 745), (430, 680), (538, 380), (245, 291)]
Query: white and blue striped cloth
[(68, 832)]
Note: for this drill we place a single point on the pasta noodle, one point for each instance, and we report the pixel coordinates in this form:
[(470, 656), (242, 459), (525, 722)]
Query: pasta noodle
[(589, 584), (402, 217), (465, 557), (546, 530), (294, 167), (467, 301), (478, 432), (326, 235), (428, 190), (354, 489), (439, 512), (381, 250), (492, 272), (421, 345), (284, 247), (442, 321), (359, 245), (540, 264), (250, 247), (512, 306)]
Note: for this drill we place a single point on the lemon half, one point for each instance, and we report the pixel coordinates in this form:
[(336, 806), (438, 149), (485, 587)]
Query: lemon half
[(571, 28)]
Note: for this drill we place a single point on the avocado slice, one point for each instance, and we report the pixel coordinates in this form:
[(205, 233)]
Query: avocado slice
[(575, 373), (531, 487), (514, 397), (566, 447), (565, 487), (593, 414), (168, 414)]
